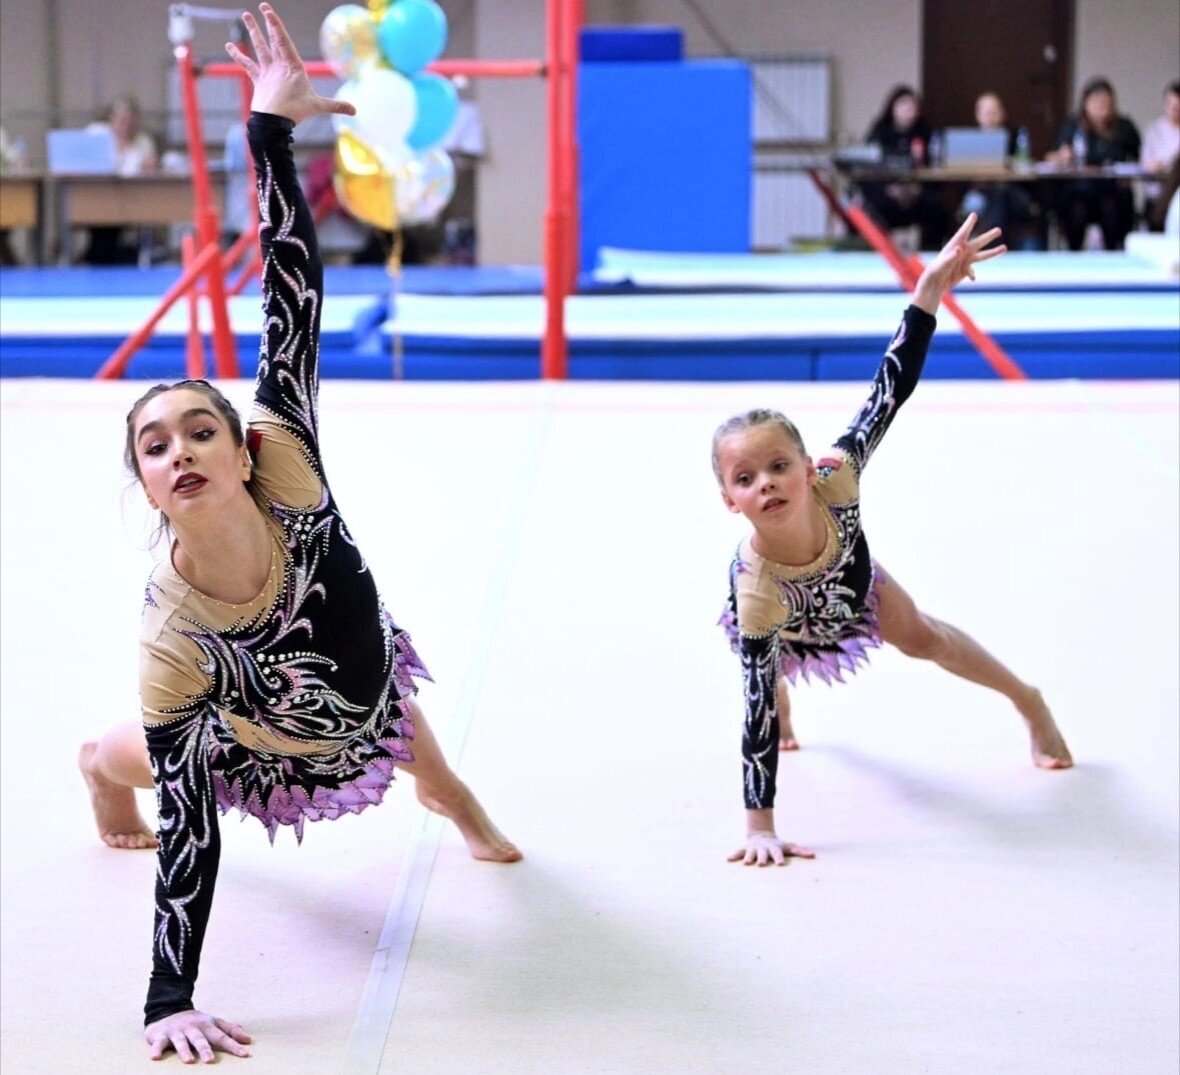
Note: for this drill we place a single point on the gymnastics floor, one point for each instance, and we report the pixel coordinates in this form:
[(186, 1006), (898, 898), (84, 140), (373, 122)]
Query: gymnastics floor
[(559, 552)]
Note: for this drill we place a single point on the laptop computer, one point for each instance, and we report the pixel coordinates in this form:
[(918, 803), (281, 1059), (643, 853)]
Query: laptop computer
[(970, 147), (80, 152)]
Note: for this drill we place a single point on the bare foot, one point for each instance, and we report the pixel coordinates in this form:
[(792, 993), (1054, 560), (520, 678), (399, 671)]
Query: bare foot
[(484, 840), (1047, 743), (120, 823), (786, 736)]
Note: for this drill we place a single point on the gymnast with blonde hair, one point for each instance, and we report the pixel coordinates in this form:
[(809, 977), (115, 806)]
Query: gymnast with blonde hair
[(806, 597)]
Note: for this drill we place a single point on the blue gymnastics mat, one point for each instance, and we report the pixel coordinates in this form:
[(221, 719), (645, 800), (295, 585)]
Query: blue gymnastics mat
[(1104, 318)]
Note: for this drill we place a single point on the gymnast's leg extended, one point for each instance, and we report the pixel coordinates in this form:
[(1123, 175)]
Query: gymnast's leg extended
[(919, 635)]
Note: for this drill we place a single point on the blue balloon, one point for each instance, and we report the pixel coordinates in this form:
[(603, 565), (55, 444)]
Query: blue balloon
[(412, 34), (438, 105)]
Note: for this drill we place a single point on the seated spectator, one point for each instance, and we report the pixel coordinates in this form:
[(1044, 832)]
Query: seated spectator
[(135, 154), (1166, 209), (1097, 135), (1161, 146), (1003, 205), (12, 159), (904, 138)]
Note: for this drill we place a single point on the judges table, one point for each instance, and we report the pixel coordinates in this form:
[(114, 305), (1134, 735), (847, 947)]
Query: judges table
[(973, 174), (20, 206), (19, 201), (1038, 179), (136, 201)]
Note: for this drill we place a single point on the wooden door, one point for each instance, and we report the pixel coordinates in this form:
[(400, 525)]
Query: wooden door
[(1020, 49)]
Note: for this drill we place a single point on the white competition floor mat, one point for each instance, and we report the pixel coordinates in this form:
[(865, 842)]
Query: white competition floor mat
[(559, 553)]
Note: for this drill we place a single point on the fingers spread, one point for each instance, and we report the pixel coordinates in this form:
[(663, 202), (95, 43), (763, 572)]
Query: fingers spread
[(340, 108), (261, 50), (981, 241), (966, 229), (279, 37), (180, 1044), (201, 1044), (234, 1030), (242, 60)]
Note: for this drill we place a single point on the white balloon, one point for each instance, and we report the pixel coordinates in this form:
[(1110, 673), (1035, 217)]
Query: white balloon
[(340, 122), (424, 185), (386, 108)]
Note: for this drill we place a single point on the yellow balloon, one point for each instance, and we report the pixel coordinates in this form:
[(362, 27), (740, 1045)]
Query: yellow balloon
[(363, 183)]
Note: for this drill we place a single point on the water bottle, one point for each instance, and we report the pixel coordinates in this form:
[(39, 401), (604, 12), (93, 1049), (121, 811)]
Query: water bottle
[(1079, 147), (1023, 155), (936, 150)]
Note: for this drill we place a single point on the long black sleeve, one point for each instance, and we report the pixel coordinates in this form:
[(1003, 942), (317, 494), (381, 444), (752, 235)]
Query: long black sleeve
[(186, 861), (292, 287), (896, 378)]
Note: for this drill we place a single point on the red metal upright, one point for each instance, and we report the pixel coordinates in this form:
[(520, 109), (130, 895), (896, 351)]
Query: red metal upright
[(554, 346), (208, 227), (570, 31)]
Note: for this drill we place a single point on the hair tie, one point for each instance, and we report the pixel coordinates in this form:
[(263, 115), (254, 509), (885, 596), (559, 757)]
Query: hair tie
[(253, 440)]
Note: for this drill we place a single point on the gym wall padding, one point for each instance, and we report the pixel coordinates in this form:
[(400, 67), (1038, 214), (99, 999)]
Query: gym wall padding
[(665, 156)]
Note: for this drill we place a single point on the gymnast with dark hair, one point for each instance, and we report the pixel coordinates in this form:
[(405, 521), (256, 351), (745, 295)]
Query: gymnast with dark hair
[(272, 680)]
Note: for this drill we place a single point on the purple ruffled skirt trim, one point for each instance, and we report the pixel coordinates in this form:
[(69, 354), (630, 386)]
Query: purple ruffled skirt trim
[(827, 662), (294, 789)]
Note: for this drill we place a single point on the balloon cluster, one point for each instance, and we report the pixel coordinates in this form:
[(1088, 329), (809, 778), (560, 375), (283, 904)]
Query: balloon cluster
[(390, 167)]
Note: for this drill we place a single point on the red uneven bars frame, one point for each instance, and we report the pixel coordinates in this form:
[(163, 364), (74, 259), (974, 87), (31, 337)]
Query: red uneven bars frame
[(560, 66)]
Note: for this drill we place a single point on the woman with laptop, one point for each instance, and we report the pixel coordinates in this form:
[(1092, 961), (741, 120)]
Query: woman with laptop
[(1007, 206), (135, 154)]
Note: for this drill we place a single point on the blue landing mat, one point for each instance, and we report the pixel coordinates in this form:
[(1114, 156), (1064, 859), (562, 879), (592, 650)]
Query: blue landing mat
[(80, 281), (733, 336)]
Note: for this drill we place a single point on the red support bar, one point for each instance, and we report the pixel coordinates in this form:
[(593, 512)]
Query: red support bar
[(449, 68), (884, 246), (570, 30), (554, 346), (205, 218), (116, 365), (194, 351)]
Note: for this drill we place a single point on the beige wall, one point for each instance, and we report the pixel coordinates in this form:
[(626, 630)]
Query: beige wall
[(107, 47), (1136, 45), (510, 187), (873, 43)]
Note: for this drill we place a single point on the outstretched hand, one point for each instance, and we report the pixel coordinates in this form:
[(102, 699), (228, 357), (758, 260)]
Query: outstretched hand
[(955, 263), (281, 85)]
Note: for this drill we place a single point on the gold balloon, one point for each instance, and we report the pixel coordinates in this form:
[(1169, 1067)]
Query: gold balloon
[(364, 184)]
